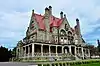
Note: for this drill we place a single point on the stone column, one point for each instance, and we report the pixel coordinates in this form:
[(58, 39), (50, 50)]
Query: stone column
[(88, 52), (56, 50), (42, 49), (85, 51), (25, 51), (22, 51), (69, 49), (82, 52), (75, 51), (62, 49), (28, 51), (32, 50)]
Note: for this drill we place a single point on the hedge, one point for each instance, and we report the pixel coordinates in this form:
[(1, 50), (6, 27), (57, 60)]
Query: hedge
[(71, 63)]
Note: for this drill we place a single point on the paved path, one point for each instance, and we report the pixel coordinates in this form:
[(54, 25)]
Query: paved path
[(15, 64)]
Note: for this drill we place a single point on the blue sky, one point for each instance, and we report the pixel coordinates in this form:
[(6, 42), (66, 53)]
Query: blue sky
[(15, 17)]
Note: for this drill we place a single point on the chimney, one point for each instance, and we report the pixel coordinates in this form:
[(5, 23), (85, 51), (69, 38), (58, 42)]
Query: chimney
[(61, 14), (50, 10), (64, 15), (46, 11)]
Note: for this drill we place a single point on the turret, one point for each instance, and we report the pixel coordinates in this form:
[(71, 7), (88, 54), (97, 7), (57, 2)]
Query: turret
[(78, 26), (32, 12)]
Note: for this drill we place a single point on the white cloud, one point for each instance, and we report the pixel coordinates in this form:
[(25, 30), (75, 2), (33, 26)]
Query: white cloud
[(15, 14)]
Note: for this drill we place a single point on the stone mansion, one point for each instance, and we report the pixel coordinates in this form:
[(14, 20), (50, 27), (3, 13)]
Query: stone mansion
[(50, 38)]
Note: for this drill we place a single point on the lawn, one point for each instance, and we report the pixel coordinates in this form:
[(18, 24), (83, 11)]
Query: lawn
[(92, 64)]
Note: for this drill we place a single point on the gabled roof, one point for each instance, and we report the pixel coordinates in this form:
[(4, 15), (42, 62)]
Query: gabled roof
[(39, 20), (54, 21)]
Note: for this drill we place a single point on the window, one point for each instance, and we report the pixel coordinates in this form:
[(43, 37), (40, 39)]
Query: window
[(66, 27), (62, 32), (65, 38), (32, 24), (61, 38)]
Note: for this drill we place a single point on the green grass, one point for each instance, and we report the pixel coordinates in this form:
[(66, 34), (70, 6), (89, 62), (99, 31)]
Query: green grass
[(92, 64)]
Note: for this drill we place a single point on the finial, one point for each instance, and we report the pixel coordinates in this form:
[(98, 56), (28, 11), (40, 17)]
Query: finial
[(77, 19), (61, 12), (64, 15), (50, 7), (46, 8)]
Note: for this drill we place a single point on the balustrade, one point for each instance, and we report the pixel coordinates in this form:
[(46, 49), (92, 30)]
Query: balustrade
[(53, 54), (37, 54), (45, 54)]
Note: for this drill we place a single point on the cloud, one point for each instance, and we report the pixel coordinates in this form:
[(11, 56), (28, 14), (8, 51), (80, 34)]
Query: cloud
[(15, 17), (12, 27)]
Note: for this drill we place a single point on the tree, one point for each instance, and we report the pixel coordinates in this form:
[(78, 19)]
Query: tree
[(14, 52), (5, 54)]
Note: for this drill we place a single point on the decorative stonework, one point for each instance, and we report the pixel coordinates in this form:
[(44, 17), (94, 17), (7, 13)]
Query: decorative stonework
[(50, 38)]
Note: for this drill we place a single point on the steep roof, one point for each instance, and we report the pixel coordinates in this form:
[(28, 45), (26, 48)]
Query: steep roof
[(39, 20), (54, 21)]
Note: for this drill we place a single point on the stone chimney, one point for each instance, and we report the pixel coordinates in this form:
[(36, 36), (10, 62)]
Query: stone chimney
[(50, 10), (61, 14), (46, 12)]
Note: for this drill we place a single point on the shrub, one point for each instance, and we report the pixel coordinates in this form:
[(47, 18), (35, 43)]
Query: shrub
[(39, 64), (53, 64), (44, 64), (60, 64), (64, 64), (48, 64), (56, 64)]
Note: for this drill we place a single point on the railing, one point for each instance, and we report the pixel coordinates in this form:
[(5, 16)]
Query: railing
[(60, 54), (48, 54), (79, 55), (45, 54), (53, 54), (37, 54), (30, 54)]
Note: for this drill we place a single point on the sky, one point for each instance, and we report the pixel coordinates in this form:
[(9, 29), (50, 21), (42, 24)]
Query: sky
[(15, 17)]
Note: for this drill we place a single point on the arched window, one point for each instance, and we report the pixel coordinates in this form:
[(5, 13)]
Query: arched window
[(62, 32), (69, 32), (69, 35)]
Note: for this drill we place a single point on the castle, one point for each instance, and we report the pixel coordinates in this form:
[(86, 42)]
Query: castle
[(50, 38)]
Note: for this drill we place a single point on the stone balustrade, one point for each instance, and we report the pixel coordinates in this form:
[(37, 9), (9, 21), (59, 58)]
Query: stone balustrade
[(53, 54), (37, 54), (45, 54)]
